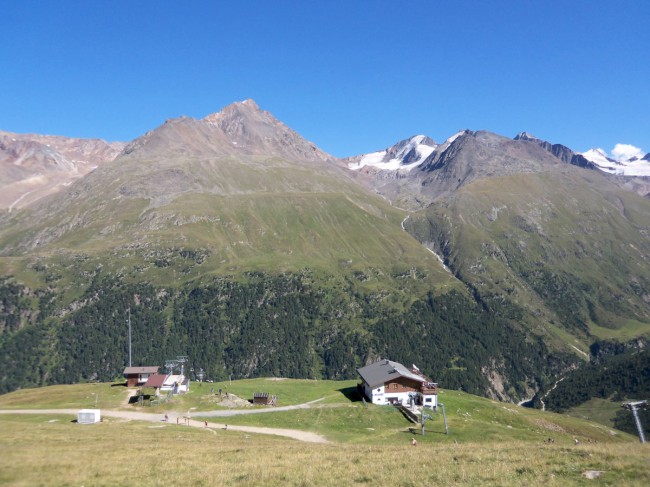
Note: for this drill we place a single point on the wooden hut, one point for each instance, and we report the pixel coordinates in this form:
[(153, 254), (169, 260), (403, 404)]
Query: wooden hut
[(138, 376), (264, 399)]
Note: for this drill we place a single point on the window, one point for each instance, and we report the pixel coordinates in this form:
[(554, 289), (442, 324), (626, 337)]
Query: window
[(428, 399), (394, 386)]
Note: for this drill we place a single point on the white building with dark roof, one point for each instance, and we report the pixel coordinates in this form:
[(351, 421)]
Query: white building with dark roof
[(388, 382)]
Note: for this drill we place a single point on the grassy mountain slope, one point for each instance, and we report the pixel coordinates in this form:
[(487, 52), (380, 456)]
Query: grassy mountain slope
[(566, 247), (238, 243), (489, 443), (250, 264)]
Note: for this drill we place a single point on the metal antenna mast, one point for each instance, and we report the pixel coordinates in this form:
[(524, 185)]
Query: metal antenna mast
[(129, 322)]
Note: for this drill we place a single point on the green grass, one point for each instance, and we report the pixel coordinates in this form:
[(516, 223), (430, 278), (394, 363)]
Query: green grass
[(599, 410), (340, 415), (565, 245), (288, 391), (51, 450), (628, 331), (469, 418), (104, 395), (490, 443)]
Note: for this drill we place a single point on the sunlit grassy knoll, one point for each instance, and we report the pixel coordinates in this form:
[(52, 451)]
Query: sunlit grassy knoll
[(287, 391), (599, 410), (51, 451), (470, 419), (203, 396), (631, 329), (103, 395), (339, 415)]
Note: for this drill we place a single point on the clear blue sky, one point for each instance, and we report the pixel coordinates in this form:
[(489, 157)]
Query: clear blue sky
[(351, 76)]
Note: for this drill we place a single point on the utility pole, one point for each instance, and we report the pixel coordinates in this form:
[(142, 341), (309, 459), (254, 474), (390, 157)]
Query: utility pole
[(129, 322)]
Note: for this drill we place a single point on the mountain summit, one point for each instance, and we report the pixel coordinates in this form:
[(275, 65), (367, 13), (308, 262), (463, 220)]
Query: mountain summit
[(240, 128), (256, 131), (632, 166), (404, 155)]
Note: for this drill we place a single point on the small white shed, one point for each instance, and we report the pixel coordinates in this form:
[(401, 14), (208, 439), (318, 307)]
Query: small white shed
[(88, 416)]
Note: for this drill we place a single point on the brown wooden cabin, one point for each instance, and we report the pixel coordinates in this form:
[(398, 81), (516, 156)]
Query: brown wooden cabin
[(264, 398), (138, 376)]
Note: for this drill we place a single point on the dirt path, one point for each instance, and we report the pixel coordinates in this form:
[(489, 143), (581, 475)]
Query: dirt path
[(185, 419), (225, 413)]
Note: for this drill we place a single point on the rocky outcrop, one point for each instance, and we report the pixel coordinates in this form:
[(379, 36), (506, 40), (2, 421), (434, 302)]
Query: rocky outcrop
[(33, 166), (560, 151)]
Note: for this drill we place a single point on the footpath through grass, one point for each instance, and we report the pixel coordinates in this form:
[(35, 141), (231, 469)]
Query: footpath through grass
[(489, 443), (52, 451)]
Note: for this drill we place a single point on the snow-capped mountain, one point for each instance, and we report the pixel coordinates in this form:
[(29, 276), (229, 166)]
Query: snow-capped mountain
[(404, 155), (633, 166)]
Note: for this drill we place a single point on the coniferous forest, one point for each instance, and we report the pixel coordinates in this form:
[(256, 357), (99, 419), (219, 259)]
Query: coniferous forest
[(622, 377), (263, 325)]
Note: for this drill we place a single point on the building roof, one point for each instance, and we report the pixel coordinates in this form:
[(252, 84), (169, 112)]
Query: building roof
[(379, 373), (155, 380), (174, 379), (147, 369)]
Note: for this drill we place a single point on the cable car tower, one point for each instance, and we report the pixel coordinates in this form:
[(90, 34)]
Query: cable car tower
[(634, 406)]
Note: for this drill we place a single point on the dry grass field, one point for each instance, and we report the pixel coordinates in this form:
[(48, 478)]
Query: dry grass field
[(47, 451), (489, 444)]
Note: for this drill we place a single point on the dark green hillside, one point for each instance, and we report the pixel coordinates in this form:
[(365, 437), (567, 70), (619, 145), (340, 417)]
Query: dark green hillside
[(565, 247), (619, 378), (598, 389), (294, 324)]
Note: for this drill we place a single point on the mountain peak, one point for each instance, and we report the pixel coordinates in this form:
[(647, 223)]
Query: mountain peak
[(241, 128), (257, 131), (627, 167), (238, 111), (406, 154), (525, 136), (249, 103)]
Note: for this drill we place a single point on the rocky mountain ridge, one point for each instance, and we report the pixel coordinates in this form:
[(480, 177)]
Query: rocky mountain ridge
[(33, 166), (240, 128), (253, 251)]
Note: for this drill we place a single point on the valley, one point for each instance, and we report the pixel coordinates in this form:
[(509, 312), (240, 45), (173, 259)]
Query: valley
[(493, 263)]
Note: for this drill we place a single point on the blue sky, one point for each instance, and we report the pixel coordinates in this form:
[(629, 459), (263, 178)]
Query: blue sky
[(351, 76)]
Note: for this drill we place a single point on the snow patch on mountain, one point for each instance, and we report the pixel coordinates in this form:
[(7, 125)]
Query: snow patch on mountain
[(454, 137), (405, 155), (625, 160)]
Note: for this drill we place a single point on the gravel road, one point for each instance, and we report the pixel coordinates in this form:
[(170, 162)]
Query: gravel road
[(186, 419)]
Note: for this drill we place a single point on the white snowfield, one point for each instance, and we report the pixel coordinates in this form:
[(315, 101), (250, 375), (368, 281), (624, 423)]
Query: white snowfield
[(378, 159), (630, 167)]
